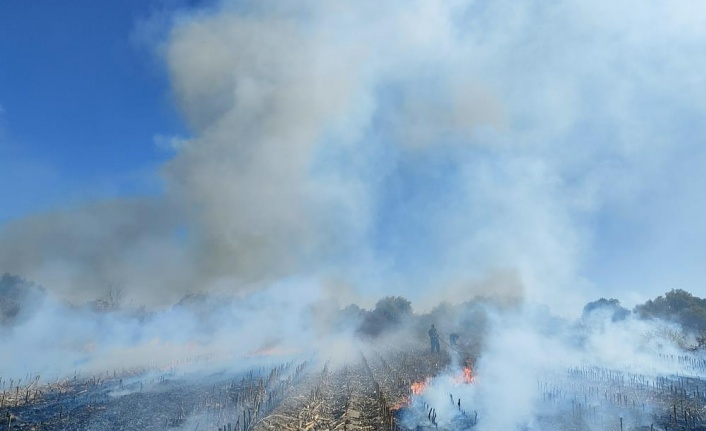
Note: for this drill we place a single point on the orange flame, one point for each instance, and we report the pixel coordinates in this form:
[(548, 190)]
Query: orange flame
[(467, 375), (419, 387), (465, 378), (416, 388)]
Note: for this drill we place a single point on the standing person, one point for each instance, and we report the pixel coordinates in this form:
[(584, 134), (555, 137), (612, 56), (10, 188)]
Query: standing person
[(434, 339), (453, 339)]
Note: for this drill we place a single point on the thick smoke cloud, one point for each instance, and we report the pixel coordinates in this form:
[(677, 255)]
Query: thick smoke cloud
[(522, 152), (81, 253), (260, 95), (405, 147), (529, 371)]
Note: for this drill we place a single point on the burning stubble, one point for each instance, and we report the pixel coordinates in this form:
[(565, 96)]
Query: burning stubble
[(439, 151)]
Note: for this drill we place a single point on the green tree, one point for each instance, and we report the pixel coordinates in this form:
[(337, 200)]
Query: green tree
[(678, 306), (611, 307), (389, 312)]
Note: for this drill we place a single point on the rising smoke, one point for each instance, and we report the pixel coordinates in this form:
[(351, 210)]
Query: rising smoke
[(461, 148), (397, 147)]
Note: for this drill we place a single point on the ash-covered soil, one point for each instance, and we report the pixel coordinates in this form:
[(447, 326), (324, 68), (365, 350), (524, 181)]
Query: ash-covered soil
[(371, 390), (359, 393)]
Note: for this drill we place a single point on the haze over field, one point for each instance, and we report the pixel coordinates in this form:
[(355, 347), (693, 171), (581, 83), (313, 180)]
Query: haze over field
[(288, 158)]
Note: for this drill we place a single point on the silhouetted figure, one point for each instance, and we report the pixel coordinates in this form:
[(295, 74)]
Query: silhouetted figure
[(453, 338), (434, 338)]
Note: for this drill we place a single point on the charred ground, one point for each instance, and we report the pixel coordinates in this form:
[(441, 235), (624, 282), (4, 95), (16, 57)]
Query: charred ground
[(373, 390), (386, 380)]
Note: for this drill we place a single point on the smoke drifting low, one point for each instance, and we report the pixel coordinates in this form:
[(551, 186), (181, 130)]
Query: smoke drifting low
[(48, 337), (537, 371), (344, 151)]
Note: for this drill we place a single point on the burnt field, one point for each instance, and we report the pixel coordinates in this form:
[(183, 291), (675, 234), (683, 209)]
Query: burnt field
[(406, 388), (254, 215), (363, 393)]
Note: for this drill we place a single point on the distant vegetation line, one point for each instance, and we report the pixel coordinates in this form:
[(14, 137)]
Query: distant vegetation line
[(20, 299)]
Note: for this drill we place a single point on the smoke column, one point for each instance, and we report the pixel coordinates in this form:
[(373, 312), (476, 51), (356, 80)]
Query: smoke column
[(436, 150), (398, 146)]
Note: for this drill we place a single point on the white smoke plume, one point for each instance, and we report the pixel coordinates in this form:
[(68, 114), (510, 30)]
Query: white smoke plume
[(400, 145), (538, 371), (536, 151)]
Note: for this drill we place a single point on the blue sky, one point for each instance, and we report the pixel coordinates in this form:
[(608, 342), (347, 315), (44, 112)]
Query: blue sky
[(394, 146), (82, 99)]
